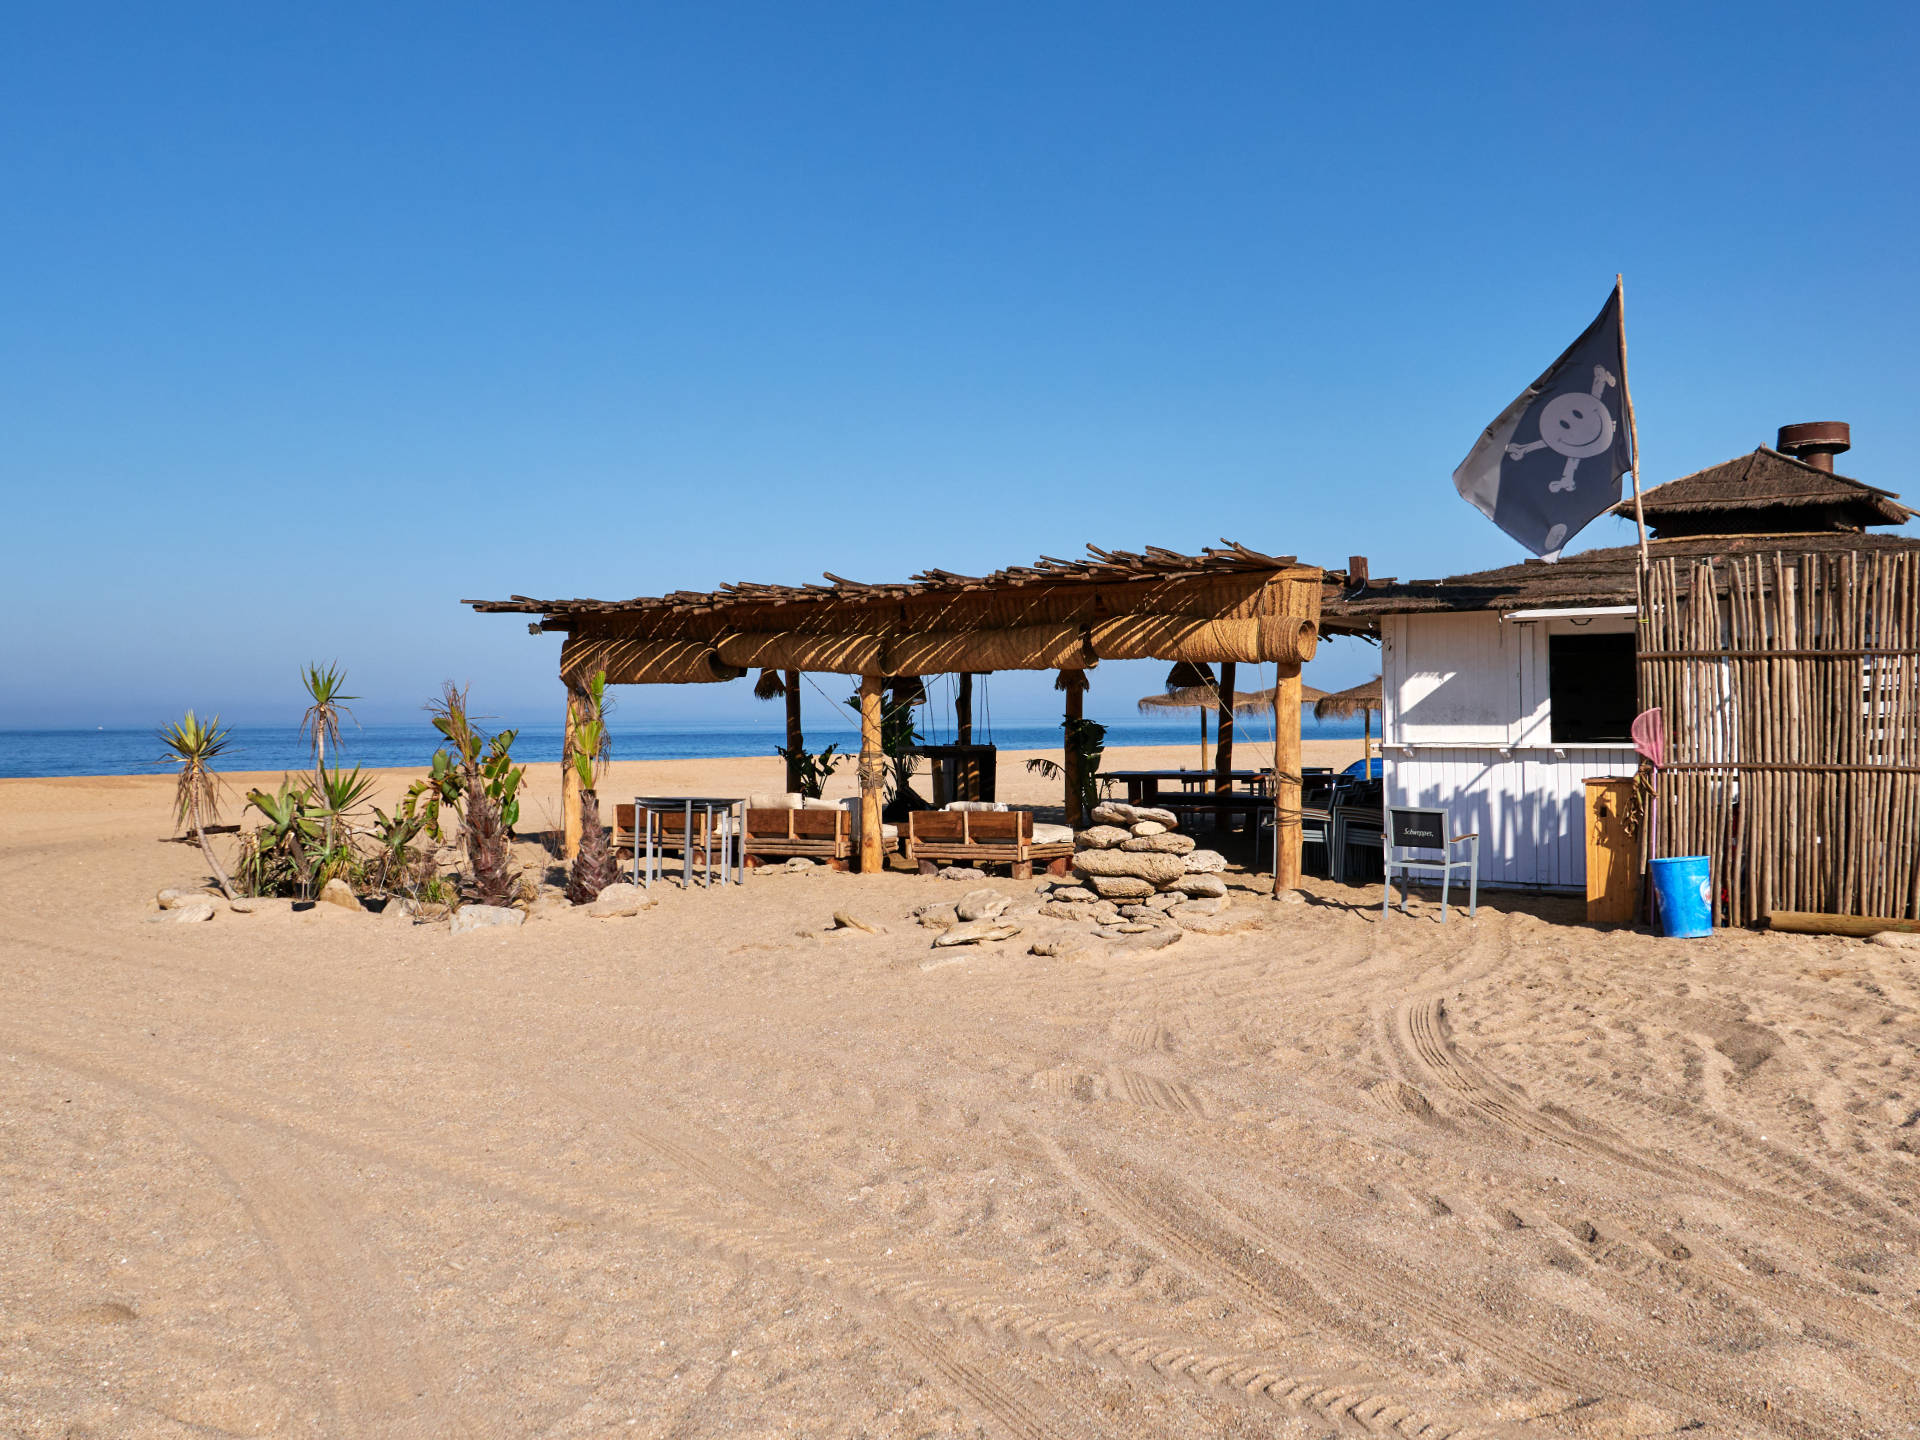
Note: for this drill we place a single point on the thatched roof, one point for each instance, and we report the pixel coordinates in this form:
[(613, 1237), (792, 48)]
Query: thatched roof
[(1764, 492), (1205, 697), (1348, 703), (1591, 577)]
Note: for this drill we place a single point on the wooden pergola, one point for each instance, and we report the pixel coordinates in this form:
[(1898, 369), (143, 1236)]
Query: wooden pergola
[(1223, 607)]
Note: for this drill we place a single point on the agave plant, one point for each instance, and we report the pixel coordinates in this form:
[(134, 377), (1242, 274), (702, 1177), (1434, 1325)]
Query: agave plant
[(594, 866), (194, 744)]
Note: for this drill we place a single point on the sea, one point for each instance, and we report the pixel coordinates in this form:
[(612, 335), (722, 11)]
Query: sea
[(25, 753)]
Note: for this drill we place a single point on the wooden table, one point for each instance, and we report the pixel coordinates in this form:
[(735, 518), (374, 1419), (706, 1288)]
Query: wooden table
[(1143, 786)]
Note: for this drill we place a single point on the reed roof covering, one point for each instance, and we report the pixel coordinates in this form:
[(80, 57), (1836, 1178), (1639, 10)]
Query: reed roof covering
[(1591, 577), (1347, 703), (1227, 603), (1791, 494)]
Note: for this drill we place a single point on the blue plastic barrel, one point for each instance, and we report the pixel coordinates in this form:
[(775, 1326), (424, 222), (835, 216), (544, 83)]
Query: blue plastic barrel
[(1683, 896)]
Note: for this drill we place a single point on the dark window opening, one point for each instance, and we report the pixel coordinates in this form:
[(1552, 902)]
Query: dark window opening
[(1592, 694)]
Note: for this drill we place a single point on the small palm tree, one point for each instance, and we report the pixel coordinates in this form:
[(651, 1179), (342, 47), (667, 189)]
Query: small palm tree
[(193, 745), (594, 865), (325, 686)]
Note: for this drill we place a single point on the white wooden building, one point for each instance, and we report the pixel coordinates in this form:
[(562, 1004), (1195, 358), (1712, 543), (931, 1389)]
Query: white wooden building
[(1504, 691)]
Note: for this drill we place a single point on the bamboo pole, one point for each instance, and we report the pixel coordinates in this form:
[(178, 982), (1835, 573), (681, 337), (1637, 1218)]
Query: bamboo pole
[(570, 823), (795, 739), (1286, 780), (873, 777)]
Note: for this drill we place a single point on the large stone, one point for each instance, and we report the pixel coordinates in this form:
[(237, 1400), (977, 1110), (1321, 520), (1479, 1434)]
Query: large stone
[(1166, 843), (185, 912), (942, 916), (963, 872), (1100, 837), (1082, 911), (973, 932), (1113, 812), (1149, 827), (486, 917), (1071, 892), (337, 892), (1156, 870), (980, 905), (1205, 862), (1121, 887), (622, 898), (1897, 939), (1201, 887), (175, 896)]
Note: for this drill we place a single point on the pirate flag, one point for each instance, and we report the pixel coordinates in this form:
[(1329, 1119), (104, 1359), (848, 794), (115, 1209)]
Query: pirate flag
[(1554, 458)]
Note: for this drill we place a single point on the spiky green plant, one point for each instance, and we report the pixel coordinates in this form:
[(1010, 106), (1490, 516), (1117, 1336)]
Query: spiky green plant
[(326, 689), (481, 780), (194, 744)]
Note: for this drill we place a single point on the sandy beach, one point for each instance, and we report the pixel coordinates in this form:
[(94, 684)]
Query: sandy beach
[(709, 1171)]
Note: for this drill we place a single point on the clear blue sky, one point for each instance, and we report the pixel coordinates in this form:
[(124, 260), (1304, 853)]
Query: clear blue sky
[(318, 319)]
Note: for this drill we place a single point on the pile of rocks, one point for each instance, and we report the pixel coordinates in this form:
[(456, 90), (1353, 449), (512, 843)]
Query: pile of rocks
[(1134, 871)]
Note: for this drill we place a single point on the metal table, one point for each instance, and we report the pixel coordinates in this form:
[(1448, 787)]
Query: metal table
[(723, 823)]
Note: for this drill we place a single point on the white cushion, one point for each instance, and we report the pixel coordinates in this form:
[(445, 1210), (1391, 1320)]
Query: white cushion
[(1052, 834), (807, 803), (889, 832), (761, 800), (977, 806)]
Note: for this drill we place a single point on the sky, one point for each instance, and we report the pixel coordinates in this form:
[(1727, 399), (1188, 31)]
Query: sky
[(316, 320)]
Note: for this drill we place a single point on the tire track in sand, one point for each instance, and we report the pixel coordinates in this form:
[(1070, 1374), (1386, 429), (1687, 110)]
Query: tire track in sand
[(983, 1307), (1420, 1031)]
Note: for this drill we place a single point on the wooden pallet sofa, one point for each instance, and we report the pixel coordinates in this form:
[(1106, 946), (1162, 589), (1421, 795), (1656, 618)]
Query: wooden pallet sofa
[(780, 833), (937, 838)]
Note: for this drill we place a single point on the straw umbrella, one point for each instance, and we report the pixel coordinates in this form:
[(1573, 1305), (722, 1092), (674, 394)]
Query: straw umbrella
[(1205, 697), (1361, 700)]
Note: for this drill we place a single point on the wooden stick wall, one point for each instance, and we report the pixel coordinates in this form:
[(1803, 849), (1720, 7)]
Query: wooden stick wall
[(1789, 687)]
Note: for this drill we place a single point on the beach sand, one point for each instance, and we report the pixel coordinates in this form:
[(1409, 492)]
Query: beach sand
[(706, 1171)]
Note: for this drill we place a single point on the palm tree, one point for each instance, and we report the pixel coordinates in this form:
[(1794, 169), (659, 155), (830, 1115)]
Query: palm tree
[(594, 865), (194, 745)]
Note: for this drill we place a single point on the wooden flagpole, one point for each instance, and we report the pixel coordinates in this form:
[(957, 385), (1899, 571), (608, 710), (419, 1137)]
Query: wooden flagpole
[(1633, 422)]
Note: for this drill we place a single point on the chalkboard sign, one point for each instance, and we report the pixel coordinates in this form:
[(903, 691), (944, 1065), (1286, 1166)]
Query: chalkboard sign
[(1421, 829)]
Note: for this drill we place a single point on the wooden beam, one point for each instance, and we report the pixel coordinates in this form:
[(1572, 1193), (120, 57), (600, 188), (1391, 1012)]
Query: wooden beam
[(1286, 781), (1808, 922), (570, 823), (1223, 750), (873, 777), (794, 737), (963, 710), (1070, 757)]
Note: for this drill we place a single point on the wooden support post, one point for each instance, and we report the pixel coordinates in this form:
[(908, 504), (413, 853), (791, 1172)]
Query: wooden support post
[(966, 773), (1223, 749), (873, 777), (569, 778), (1070, 758), (1286, 780), (794, 737)]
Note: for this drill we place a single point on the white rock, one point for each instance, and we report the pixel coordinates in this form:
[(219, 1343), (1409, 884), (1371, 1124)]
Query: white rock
[(974, 932), (176, 895), (486, 917), (1121, 887), (1897, 939), (1113, 812), (1194, 909), (1166, 844), (942, 916), (1200, 886), (1099, 837), (1071, 892), (184, 912), (980, 905), (337, 892), (1157, 870), (1145, 828), (1062, 947), (1069, 910), (1205, 862), (963, 872), (620, 899)]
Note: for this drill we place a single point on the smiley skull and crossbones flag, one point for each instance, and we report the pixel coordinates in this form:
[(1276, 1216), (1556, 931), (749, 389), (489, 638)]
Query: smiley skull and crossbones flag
[(1553, 459)]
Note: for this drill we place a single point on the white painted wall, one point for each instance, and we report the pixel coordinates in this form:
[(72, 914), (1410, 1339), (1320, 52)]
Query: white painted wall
[(1467, 729)]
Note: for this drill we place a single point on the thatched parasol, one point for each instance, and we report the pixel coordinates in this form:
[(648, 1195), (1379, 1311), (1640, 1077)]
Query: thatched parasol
[(1361, 700), (1206, 698)]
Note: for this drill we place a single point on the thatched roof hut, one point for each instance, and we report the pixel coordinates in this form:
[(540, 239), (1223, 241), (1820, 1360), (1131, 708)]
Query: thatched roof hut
[(1205, 697), (1344, 705)]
